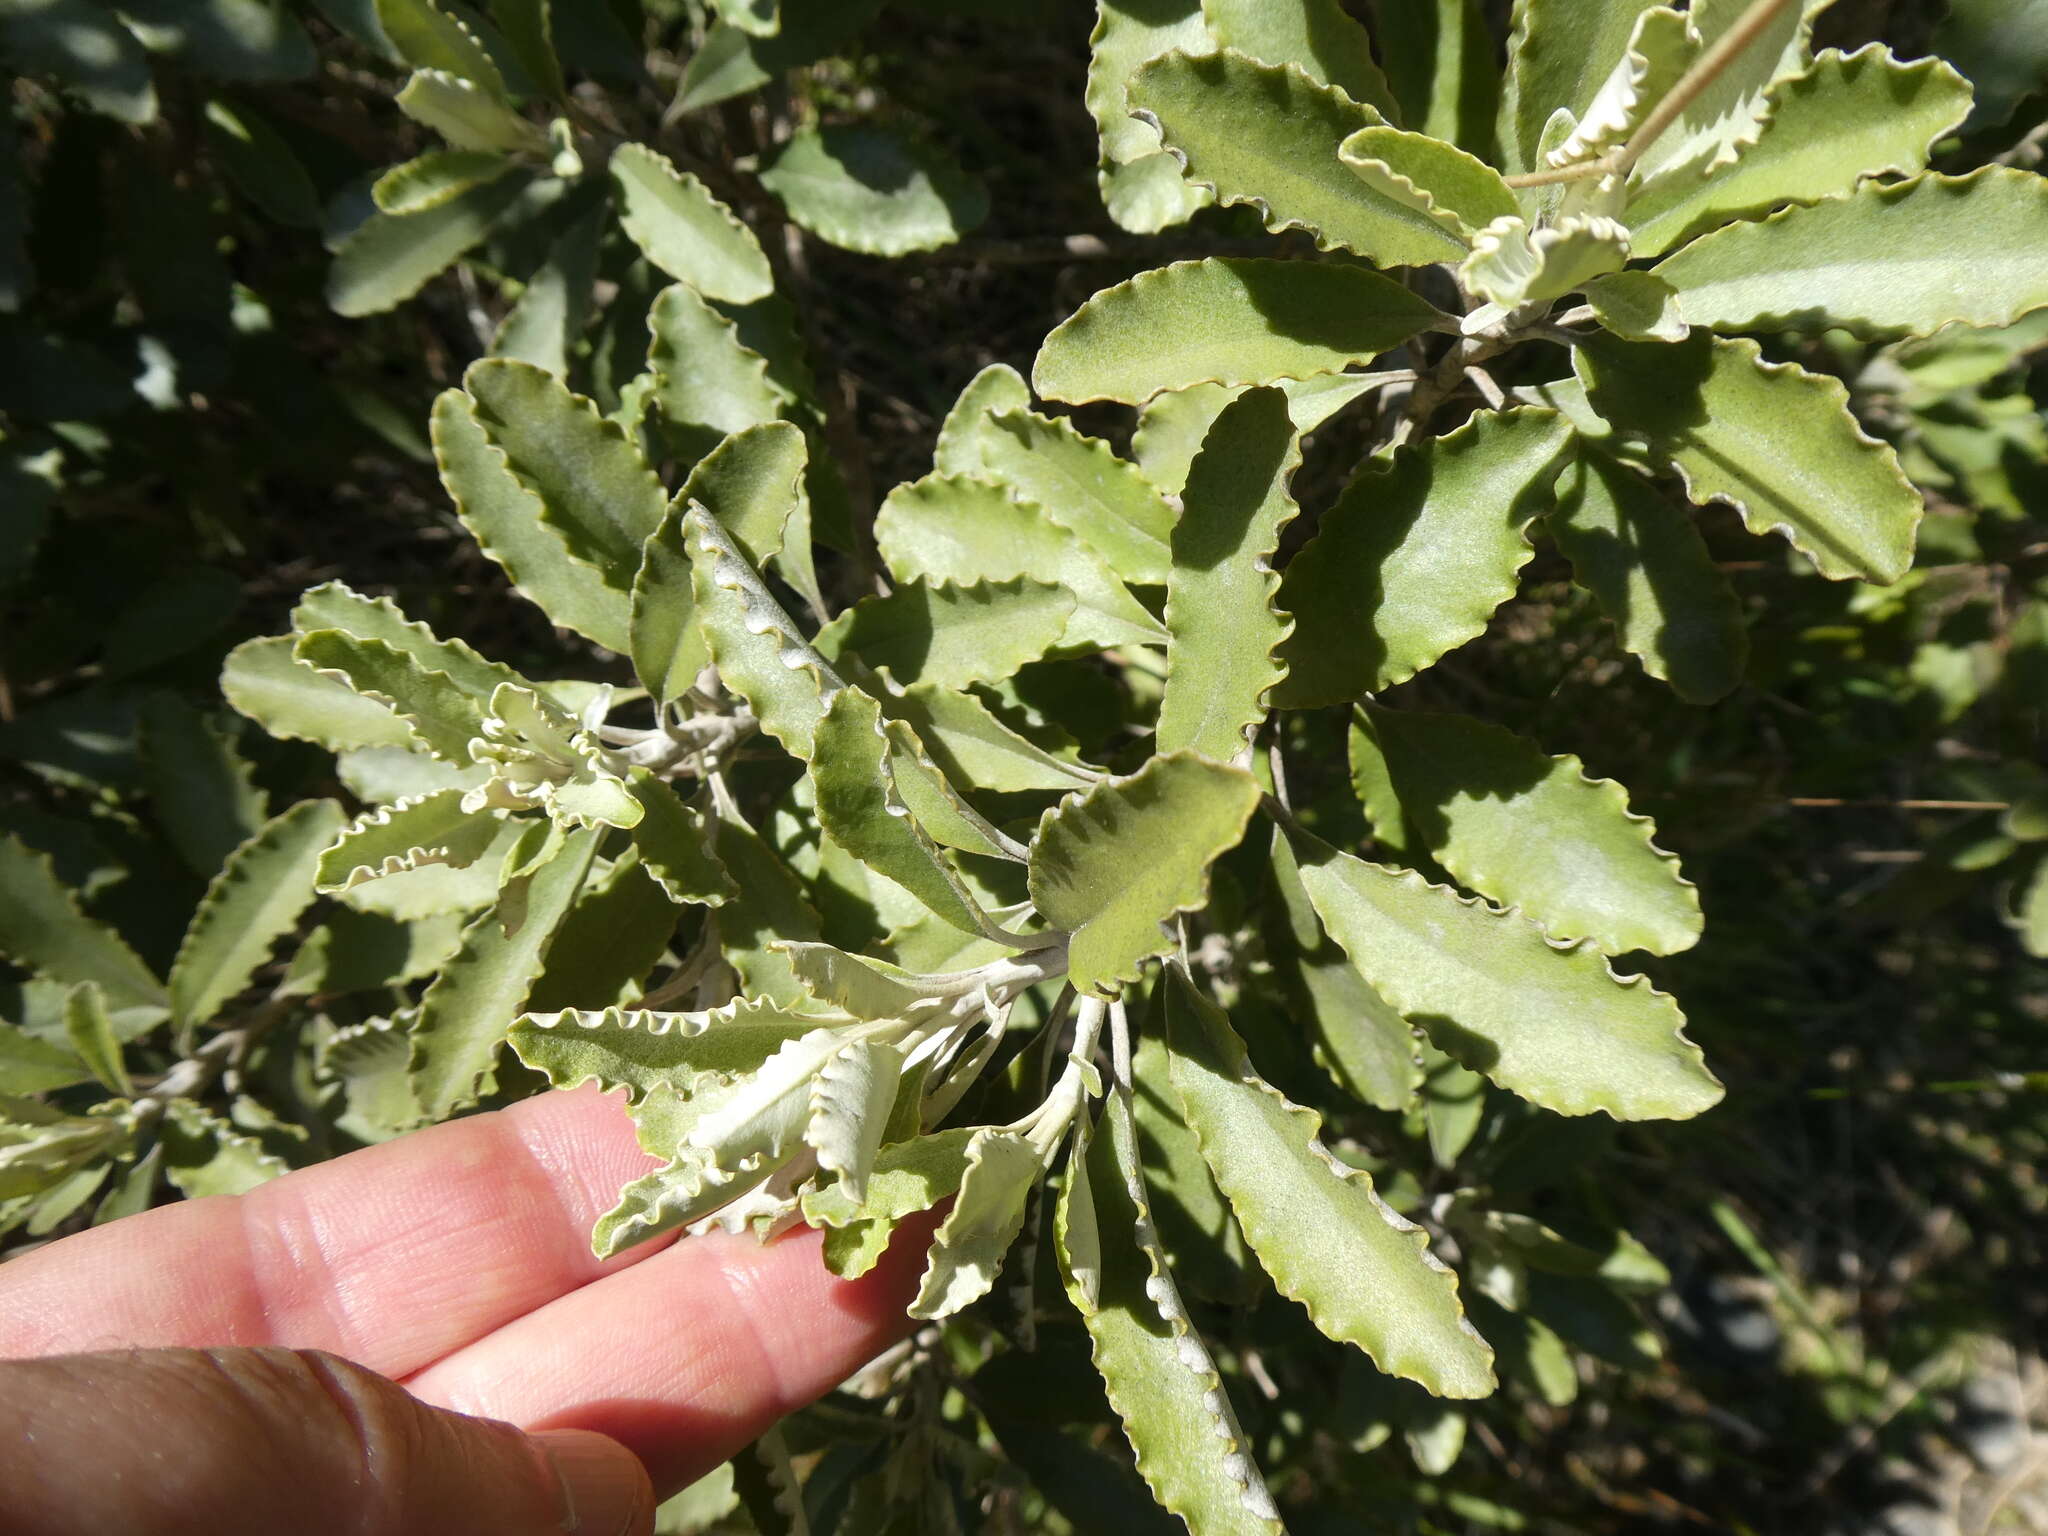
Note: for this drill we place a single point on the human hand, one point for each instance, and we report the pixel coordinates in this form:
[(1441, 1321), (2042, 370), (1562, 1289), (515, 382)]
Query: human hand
[(175, 1371)]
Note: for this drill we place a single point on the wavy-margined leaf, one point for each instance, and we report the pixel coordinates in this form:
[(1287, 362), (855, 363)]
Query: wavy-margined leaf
[(1365, 1275), (390, 257), (951, 636), (1358, 1037), (705, 376), (1846, 118), (444, 716), (43, 930), (963, 529), (427, 37), (770, 910), (1636, 306), (759, 651), (1556, 1026), (1522, 828), (641, 1051), (1642, 558), (1267, 135), (907, 1177), (1225, 320), (429, 180), (1776, 441), (263, 680), (333, 606), (611, 941), (861, 986), (972, 746), (675, 844), (1222, 626), (555, 306), (464, 1013), (995, 391), (1316, 36), (1560, 55), (31, 1064), (1837, 262), (1459, 191), (437, 890), (1512, 264), (1725, 117), (199, 785), (1141, 183), (431, 829), (861, 808), (253, 902), (685, 231), (466, 116), (1193, 1219), (1421, 548), (1157, 1372), (595, 491), (506, 516), (868, 189), (734, 61), (1110, 866), (1002, 1169), (850, 1102), (205, 1155), (1171, 426), (1078, 479), (1662, 45)]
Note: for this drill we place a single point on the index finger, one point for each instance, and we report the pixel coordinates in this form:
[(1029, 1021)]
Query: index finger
[(392, 1256)]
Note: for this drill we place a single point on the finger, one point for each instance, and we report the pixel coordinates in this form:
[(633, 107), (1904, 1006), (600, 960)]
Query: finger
[(262, 1440), (691, 1355), (392, 1256)]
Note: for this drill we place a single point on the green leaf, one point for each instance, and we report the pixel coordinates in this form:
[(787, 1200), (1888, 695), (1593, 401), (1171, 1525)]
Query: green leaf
[(31, 1064), (1421, 548), (1141, 183), (1661, 45), (261, 163), (1359, 1038), (758, 18), (997, 390), (951, 636), (1195, 1225), (1316, 36), (464, 1013), (408, 834), (675, 844), (705, 376), (865, 988), (595, 490), (770, 909), (1079, 480), (1221, 622), (1637, 306), (642, 1051), (1459, 191), (733, 61), (205, 1155), (1560, 55), (1521, 828), (199, 785), (467, 116), (88, 50), (1847, 118), (963, 529), (506, 517), (1725, 117), (759, 651), (1646, 563), (860, 807), (444, 717), (1171, 426), (528, 27), (1225, 321), (1267, 136), (427, 37), (390, 257), (988, 1212), (1111, 865), (685, 231), (1512, 265), (1365, 1275), (1774, 440), (42, 930), (1838, 263), (907, 1177), (1159, 1376), (1557, 1026), (867, 189), (254, 901), (544, 327), (1439, 62), (437, 177), (850, 1102), (970, 745), (611, 940), (364, 952), (262, 679)]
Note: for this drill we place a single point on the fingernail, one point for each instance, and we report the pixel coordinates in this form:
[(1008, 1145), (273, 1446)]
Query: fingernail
[(605, 1491)]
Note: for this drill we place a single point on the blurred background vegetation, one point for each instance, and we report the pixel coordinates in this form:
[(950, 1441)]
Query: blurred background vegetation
[(190, 434)]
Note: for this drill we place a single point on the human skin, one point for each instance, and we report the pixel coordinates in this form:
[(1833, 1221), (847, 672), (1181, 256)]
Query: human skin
[(226, 1364)]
